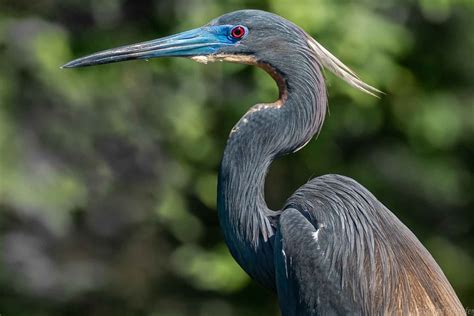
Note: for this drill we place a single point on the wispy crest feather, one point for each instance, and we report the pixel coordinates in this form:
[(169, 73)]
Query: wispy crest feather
[(333, 64)]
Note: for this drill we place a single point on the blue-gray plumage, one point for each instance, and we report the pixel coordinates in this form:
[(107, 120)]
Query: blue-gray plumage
[(333, 248)]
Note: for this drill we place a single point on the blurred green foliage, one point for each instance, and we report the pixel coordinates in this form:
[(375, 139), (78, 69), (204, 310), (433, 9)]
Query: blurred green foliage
[(108, 174)]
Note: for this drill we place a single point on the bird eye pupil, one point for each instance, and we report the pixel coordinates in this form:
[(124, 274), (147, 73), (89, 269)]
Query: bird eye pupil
[(237, 32)]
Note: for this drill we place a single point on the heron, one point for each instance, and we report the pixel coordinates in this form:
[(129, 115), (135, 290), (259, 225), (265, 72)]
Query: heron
[(332, 248)]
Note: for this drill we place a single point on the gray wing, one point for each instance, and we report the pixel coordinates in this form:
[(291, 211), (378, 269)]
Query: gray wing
[(339, 251)]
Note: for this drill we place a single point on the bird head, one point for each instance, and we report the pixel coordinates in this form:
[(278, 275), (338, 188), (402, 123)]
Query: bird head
[(248, 36)]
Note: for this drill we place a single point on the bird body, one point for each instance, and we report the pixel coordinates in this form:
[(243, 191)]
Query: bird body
[(333, 248), (369, 261)]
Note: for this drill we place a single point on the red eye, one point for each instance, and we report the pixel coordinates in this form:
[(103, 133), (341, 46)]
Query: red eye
[(237, 32)]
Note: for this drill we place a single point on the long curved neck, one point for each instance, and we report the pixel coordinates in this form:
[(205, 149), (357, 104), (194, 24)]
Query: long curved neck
[(265, 132)]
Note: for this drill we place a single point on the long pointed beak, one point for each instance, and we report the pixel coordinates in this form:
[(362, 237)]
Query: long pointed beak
[(197, 42)]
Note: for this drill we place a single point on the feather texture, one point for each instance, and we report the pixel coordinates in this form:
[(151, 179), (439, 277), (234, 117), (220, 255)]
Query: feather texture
[(337, 67)]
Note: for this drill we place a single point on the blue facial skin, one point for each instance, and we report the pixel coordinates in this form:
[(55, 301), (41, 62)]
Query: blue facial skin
[(202, 41)]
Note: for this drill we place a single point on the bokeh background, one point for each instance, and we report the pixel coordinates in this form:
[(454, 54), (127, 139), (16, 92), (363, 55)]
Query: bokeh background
[(108, 174)]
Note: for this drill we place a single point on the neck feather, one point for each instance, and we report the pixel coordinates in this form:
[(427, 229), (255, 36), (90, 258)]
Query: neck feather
[(265, 132)]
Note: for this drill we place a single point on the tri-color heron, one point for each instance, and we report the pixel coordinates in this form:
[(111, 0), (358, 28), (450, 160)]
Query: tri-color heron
[(333, 248)]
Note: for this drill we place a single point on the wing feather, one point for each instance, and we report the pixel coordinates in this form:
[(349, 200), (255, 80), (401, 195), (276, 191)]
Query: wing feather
[(363, 261)]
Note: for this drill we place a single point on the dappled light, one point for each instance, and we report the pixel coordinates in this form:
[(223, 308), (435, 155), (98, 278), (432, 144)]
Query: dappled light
[(108, 174)]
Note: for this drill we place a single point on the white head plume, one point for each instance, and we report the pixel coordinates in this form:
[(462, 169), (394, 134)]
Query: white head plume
[(334, 65)]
